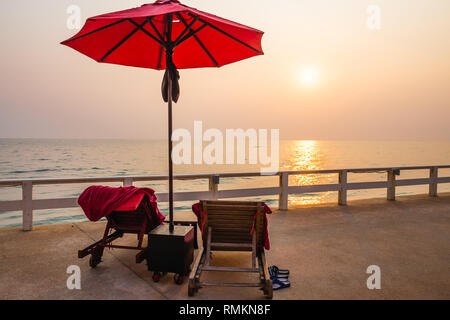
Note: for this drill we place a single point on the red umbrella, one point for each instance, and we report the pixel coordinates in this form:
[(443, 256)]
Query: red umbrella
[(187, 37)]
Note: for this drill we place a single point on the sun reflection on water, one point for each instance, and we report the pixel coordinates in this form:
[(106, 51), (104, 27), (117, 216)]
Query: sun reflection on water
[(306, 155)]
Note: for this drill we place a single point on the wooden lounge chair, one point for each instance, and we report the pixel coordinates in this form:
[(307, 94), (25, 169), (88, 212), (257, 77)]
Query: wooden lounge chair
[(133, 217), (227, 226)]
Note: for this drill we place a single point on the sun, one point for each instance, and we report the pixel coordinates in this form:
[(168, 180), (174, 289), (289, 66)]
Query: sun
[(309, 76)]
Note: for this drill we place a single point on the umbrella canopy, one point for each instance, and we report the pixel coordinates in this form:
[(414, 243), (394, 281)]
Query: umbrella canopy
[(138, 37), (186, 37)]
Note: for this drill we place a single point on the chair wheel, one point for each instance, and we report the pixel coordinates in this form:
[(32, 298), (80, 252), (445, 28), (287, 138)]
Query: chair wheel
[(96, 256), (156, 276), (192, 289), (268, 290), (94, 261), (178, 279)]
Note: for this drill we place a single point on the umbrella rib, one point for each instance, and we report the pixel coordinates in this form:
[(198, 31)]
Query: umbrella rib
[(96, 30), (226, 33), (145, 31), (160, 57), (149, 19), (121, 42), (187, 27), (200, 43), (206, 51), (162, 47), (190, 34)]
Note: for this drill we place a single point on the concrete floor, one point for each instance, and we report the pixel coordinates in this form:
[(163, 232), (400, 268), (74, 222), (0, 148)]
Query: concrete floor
[(327, 249)]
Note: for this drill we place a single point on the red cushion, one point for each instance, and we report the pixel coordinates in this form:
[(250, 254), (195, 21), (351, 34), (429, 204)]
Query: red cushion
[(131, 204)]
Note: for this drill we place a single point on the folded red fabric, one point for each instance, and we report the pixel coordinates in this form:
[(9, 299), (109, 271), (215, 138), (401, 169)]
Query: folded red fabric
[(196, 208), (99, 201)]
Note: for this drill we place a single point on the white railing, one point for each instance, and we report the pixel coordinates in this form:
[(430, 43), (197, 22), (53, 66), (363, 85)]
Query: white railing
[(28, 204)]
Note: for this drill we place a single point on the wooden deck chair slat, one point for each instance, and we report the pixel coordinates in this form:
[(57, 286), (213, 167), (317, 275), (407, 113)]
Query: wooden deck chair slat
[(242, 215), (243, 237), (208, 246), (230, 269), (229, 249), (254, 250), (229, 284), (236, 245), (227, 234), (232, 242), (242, 209), (230, 219), (231, 202), (224, 239), (245, 213), (232, 224), (236, 230)]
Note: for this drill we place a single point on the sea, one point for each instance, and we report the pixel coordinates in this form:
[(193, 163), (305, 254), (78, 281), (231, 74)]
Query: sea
[(70, 158)]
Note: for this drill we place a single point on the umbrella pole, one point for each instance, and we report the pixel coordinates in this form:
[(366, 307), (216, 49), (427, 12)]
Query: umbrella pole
[(169, 104), (169, 63)]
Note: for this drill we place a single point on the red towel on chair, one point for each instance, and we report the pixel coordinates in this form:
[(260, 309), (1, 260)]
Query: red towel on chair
[(99, 201), (196, 208)]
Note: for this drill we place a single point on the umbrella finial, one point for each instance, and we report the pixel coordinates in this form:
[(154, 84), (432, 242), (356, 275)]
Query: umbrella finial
[(165, 1)]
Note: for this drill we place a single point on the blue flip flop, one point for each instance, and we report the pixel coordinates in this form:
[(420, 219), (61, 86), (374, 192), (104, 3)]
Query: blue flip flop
[(277, 271), (278, 285), (279, 277)]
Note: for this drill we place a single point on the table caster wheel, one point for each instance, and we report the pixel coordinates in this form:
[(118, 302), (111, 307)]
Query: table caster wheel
[(178, 279), (156, 276)]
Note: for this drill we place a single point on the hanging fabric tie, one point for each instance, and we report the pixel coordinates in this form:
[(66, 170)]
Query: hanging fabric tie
[(175, 76)]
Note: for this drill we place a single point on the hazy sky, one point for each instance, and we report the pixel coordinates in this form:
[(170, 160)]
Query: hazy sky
[(324, 75)]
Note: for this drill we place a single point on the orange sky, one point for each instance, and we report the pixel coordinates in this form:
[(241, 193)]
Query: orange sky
[(387, 84)]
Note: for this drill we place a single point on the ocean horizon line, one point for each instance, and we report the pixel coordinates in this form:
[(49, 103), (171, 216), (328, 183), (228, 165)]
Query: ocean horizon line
[(281, 139)]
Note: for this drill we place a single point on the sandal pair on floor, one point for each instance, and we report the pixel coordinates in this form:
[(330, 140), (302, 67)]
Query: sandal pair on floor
[(279, 278)]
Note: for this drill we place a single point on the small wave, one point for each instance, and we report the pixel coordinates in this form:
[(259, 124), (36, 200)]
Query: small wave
[(11, 225), (74, 169), (17, 171), (307, 194), (32, 171), (182, 208), (272, 201), (11, 217)]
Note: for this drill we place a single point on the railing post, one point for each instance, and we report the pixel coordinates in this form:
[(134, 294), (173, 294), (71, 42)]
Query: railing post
[(284, 191), (433, 182), (27, 205), (128, 182), (214, 187), (342, 188), (391, 185)]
